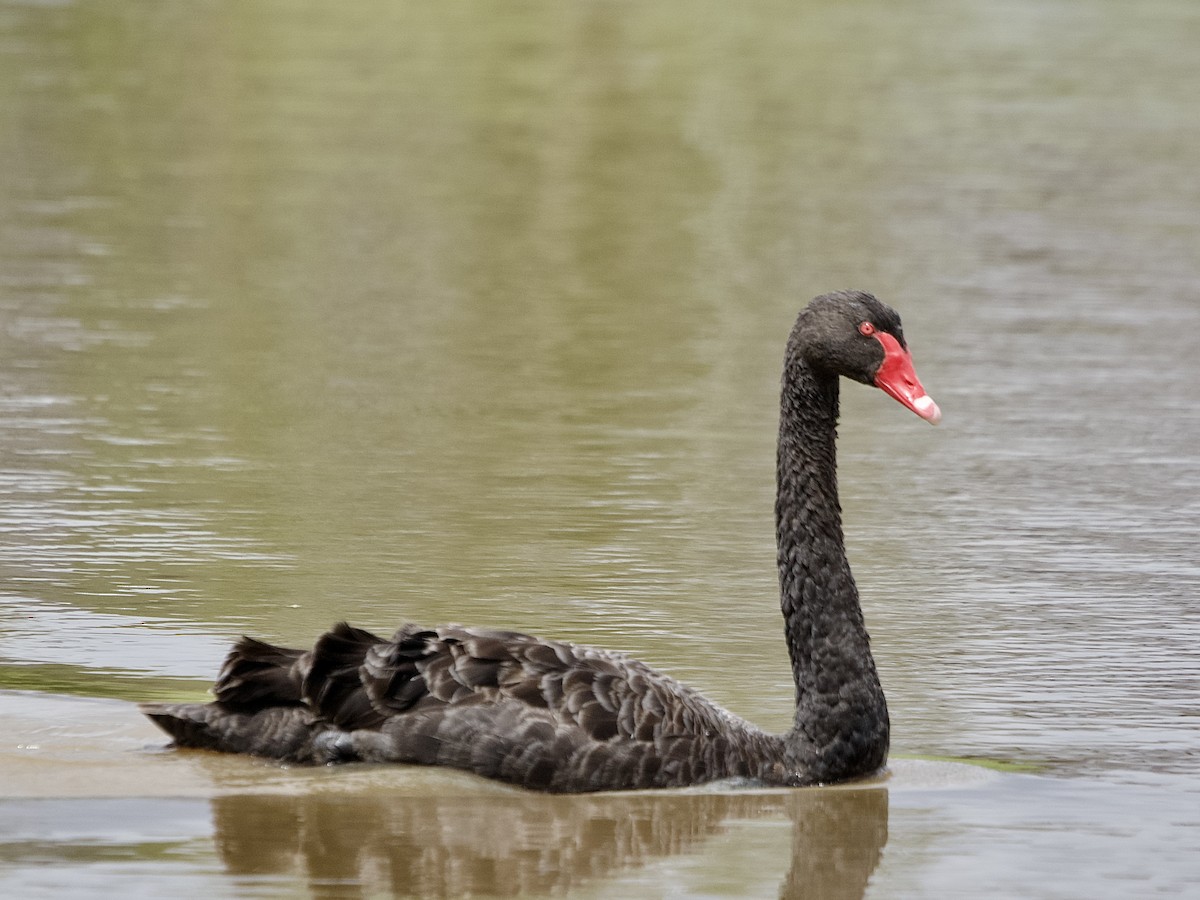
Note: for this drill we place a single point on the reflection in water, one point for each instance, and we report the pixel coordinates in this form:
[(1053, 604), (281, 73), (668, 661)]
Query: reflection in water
[(522, 845)]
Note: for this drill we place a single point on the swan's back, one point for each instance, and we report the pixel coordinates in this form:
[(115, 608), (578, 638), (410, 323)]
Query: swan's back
[(543, 714)]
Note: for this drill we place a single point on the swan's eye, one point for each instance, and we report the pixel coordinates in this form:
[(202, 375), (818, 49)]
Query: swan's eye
[(866, 328)]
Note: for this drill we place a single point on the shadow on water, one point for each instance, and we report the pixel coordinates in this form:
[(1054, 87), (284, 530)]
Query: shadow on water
[(523, 845)]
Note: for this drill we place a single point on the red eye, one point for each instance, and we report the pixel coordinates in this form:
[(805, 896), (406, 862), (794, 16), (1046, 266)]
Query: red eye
[(866, 328)]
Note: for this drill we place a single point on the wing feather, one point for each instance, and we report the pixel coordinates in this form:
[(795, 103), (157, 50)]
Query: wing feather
[(544, 714)]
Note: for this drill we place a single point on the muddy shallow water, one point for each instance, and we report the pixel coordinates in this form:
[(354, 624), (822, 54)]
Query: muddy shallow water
[(96, 800), (399, 312)]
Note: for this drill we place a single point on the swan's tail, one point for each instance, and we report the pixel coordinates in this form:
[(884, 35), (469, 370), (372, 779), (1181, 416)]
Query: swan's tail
[(281, 732), (259, 706), (272, 701), (186, 723)]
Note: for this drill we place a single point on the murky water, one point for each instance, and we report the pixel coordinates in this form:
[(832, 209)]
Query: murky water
[(394, 310)]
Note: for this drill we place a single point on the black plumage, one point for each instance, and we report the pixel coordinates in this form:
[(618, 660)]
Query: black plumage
[(556, 716)]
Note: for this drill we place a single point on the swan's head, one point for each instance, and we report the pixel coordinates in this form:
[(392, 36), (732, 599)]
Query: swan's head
[(851, 333)]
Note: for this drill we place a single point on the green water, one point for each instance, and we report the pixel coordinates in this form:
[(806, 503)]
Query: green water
[(469, 312)]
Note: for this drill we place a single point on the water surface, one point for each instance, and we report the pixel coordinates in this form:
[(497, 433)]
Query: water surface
[(393, 311)]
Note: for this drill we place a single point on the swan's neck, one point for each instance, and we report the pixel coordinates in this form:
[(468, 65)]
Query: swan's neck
[(841, 726)]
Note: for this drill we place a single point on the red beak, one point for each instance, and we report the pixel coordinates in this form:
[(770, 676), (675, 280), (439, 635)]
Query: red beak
[(897, 377)]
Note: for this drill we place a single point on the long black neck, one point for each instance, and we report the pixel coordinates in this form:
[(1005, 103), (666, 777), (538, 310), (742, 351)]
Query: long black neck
[(841, 726)]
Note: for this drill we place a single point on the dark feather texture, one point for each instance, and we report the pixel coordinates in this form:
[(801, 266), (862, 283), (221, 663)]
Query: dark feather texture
[(555, 716)]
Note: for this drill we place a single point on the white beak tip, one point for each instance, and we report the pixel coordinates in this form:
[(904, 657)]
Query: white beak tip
[(927, 409)]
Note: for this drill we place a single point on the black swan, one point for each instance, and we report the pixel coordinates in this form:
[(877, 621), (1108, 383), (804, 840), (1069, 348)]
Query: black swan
[(557, 717)]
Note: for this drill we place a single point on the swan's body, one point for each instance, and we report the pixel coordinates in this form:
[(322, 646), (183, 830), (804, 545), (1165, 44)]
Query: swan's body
[(560, 717)]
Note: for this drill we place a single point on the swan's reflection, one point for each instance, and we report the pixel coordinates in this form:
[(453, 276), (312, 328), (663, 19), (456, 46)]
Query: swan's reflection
[(513, 844)]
